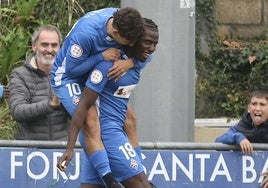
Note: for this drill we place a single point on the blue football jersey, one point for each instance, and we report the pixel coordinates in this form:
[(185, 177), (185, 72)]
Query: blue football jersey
[(113, 99), (82, 50), (113, 96), (83, 45)]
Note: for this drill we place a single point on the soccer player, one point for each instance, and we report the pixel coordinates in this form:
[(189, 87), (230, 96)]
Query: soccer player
[(113, 100), (94, 38)]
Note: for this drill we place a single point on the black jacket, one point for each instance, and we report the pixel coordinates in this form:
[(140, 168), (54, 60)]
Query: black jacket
[(254, 134), (29, 105)]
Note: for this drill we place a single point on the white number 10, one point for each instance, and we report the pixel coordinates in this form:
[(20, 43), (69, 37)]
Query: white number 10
[(73, 89)]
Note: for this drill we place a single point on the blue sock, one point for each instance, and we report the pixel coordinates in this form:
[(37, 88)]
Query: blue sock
[(138, 151), (100, 161)]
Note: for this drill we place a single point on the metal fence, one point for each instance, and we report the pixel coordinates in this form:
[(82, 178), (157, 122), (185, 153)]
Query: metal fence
[(144, 145), (167, 164)]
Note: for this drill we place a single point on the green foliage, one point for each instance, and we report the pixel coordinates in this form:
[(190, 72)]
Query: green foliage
[(16, 26), (7, 125), (225, 73), (14, 48), (16, 23), (227, 76), (71, 10), (205, 22)]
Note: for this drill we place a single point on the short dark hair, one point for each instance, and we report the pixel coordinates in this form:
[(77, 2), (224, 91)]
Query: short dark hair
[(150, 24), (129, 23), (259, 93)]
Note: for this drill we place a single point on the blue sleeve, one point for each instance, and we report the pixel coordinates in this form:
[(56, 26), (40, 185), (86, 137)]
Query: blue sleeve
[(141, 65), (79, 57), (232, 136), (1, 91), (98, 77)]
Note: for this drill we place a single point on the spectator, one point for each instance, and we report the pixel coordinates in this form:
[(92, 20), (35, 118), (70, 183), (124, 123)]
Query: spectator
[(33, 105), (253, 127)]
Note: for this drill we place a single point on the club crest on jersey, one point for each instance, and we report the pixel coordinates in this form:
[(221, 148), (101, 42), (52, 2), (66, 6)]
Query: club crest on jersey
[(76, 50), (134, 164), (96, 76), (76, 100), (124, 91)]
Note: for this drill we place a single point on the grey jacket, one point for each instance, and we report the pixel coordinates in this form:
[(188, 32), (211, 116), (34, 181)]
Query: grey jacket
[(30, 93)]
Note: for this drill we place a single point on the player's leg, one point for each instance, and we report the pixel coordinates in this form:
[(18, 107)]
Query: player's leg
[(92, 132), (125, 163), (95, 148), (68, 100), (88, 174), (130, 127)]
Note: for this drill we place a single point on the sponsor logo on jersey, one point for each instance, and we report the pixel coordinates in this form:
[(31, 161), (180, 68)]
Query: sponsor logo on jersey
[(124, 91), (76, 50), (96, 76), (134, 164)]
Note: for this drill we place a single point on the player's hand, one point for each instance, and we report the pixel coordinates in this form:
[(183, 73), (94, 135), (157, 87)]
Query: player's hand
[(119, 68), (6, 92), (65, 160), (246, 146), (111, 54), (264, 183)]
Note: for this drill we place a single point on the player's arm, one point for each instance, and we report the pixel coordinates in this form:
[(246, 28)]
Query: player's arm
[(87, 99), (122, 66), (94, 86), (79, 56)]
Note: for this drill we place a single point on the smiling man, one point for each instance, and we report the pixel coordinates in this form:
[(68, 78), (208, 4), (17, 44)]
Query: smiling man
[(33, 106)]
